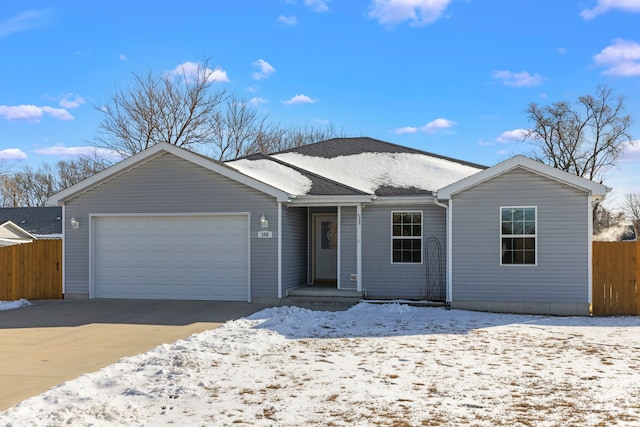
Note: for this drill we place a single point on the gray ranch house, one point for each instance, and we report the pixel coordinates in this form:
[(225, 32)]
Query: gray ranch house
[(355, 215)]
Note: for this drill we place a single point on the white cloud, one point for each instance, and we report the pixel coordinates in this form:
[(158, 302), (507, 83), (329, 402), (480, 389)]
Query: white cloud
[(57, 113), (300, 99), (70, 100), (24, 21), (265, 68), (404, 130), (258, 101), (622, 58), (32, 113), (61, 151), (288, 20), (632, 152), (122, 57), (418, 12), (523, 78), (510, 136), (561, 50), (193, 70), (12, 154), (484, 143), (604, 6), (317, 5), (323, 122), (436, 125)]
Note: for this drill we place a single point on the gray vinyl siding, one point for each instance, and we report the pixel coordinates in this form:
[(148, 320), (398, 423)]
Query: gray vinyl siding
[(348, 247), (561, 273), (294, 247), (380, 277), (169, 184)]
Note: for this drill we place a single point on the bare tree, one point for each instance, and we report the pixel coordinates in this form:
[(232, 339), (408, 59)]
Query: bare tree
[(70, 172), (33, 187), (180, 108), (585, 139), (632, 211), (238, 130), (185, 109), (28, 187), (298, 136)]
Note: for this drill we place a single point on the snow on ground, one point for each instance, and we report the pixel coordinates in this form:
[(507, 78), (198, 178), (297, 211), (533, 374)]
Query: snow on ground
[(387, 365), (12, 305)]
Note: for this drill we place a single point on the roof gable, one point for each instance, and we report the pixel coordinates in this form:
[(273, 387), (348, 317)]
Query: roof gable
[(12, 234), (519, 161), (151, 153)]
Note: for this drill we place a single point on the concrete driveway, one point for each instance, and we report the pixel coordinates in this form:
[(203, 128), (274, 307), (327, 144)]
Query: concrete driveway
[(58, 340)]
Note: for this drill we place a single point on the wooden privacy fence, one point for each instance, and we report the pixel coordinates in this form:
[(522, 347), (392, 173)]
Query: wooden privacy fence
[(31, 270), (616, 272)]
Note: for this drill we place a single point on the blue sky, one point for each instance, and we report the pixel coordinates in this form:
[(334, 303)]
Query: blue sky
[(447, 76)]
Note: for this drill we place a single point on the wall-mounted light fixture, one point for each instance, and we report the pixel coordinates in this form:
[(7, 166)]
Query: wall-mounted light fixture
[(75, 224), (264, 222)]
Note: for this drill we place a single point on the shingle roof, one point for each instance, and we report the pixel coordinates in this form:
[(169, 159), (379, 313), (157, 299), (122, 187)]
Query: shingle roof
[(376, 167), (320, 185), (349, 146), (35, 220)]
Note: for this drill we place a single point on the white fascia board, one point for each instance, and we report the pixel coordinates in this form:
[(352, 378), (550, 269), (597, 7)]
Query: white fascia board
[(11, 242), (151, 153), (19, 232), (531, 165), (330, 200)]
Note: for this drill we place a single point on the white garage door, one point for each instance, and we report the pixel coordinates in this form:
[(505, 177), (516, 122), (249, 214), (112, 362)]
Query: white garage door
[(161, 257)]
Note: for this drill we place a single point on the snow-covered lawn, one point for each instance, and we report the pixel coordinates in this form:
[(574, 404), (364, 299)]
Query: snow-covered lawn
[(389, 365)]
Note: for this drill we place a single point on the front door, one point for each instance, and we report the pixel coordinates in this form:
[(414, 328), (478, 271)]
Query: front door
[(325, 245)]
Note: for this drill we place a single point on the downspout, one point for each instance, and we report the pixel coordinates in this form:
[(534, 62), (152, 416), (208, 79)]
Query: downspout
[(359, 248), (591, 201), (339, 248), (447, 209), (64, 246), (279, 250)]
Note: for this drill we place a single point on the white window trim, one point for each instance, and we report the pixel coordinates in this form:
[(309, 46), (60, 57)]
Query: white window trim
[(534, 236), (412, 237)]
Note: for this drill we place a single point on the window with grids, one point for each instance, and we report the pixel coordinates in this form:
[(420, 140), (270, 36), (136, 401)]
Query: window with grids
[(406, 237), (518, 235)]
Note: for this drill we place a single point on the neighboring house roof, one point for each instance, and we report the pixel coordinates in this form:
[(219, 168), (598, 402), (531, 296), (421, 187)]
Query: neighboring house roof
[(591, 187), (39, 221), (366, 165), (11, 234)]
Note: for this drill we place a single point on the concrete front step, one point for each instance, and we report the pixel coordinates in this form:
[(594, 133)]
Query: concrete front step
[(313, 292), (324, 303)]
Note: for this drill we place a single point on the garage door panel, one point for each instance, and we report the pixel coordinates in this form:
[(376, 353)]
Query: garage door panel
[(171, 257)]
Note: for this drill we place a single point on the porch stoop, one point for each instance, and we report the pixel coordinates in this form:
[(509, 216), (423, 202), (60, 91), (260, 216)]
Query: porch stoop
[(313, 296)]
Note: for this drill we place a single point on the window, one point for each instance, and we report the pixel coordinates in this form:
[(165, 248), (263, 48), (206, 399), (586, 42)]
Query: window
[(518, 235), (406, 237)]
